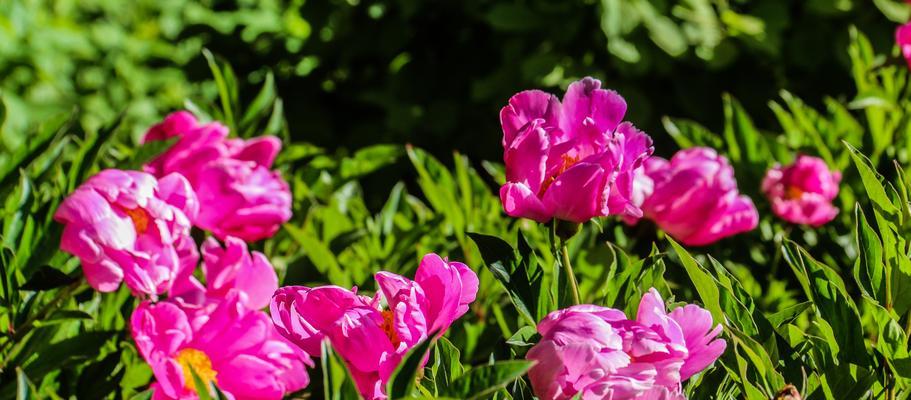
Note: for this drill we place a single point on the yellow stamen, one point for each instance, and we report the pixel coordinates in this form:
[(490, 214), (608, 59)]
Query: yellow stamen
[(195, 360), (140, 218)]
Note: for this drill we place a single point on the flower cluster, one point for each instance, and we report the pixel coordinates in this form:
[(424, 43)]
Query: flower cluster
[(244, 198), (134, 227), (593, 352), (576, 160)]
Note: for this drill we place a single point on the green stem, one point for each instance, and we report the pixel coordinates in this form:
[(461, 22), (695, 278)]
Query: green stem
[(570, 275)]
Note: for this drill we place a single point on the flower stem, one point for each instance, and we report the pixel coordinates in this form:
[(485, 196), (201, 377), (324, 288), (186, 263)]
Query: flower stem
[(570, 275)]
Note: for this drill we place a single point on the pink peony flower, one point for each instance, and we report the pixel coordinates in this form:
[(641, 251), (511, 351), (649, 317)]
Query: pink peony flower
[(224, 342), (903, 39), (694, 197), (597, 353), (372, 340), (802, 192), (228, 269), (231, 176), (572, 161), (128, 226)]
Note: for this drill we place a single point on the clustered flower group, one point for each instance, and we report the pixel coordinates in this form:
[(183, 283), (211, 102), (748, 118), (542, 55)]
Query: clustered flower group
[(576, 160), (134, 227), (572, 159)]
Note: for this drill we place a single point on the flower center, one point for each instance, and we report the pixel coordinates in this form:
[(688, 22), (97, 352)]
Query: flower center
[(195, 360), (566, 162), (793, 193), (389, 328), (140, 218)]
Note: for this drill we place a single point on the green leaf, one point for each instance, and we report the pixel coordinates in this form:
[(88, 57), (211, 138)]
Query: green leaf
[(837, 312), (872, 182), (337, 382), (222, 81), (518, 273), (320, 254), (447, 364), (704, 283), (260, 106), (690, 133), (403, 381), (25, 390), (482, 382), (369, 159), (788, 314), (143, 395), (869, 269)]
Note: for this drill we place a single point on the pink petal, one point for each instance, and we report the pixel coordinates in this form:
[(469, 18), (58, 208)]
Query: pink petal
[(525, 107), (519, 201), (577, 194), (585, 99)]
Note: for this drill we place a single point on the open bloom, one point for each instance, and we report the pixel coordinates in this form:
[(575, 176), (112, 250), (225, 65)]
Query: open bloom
[(903, 39), (227, 269), (223, 342), (574, 160), (243, 197), (695, 198), (597, 353), (372, 339), (129, 226), (802, 192)]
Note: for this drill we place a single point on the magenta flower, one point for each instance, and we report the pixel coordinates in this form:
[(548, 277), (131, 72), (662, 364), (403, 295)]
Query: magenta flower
[(229, 269), (802, 192), (572, 161), (224, 342), (903, 39), (128, 226), (597, 353), (243, 197), (370, 338), (695, 198)]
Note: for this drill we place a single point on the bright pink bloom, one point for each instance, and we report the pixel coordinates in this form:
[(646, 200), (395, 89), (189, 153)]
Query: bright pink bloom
[(372, 340), (128, 226), (572, 161), (903, 39), (228, 269), (224, 342), (243, 197), (596, 352), (802, 192), (695, 197)]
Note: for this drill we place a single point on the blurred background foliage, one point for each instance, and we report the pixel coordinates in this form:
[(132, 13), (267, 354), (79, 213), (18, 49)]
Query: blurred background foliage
[(360, 72)]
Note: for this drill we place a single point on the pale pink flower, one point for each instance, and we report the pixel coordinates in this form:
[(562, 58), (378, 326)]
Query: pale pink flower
[(597, 353), (128, 226), (802, 192)]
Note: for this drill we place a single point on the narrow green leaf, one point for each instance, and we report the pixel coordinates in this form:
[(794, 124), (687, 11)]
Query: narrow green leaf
[(403, 381), (704, 283), (481, 382)]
